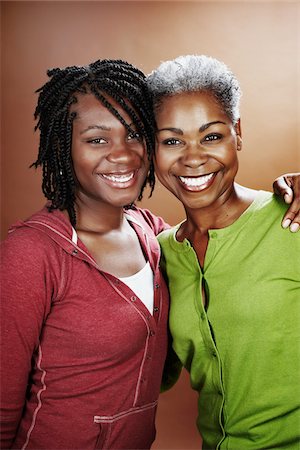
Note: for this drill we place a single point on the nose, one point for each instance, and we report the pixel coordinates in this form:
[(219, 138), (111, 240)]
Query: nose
[(121, 153), (194, 155)]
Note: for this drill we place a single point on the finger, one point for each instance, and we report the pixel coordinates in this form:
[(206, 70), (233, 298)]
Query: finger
[(291, 218), (294, 227), (288, 187), (295, 222), (293, 181), (282, 188)]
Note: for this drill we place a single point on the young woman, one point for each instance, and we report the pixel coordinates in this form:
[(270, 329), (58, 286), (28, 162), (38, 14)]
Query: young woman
[(84, 307), (233, 272)]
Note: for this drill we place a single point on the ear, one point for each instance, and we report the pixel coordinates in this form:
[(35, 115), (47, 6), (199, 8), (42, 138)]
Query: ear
[(238, 131)]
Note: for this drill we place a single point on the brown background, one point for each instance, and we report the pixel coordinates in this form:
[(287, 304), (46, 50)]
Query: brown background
[(258, 40)]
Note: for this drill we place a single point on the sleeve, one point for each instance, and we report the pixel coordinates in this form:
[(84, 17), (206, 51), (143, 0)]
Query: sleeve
[(23, 310)]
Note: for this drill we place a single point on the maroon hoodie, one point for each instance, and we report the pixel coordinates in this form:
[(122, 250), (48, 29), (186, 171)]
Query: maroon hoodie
[(82, 357)]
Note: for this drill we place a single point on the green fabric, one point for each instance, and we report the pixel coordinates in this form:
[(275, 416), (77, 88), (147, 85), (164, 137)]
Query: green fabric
[(243, 350)]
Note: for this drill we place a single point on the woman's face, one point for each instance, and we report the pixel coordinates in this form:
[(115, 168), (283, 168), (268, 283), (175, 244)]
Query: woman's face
[(196, 155), (110, 164)]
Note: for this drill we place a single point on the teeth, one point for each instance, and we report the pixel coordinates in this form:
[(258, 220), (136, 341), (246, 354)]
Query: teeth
[(196, 181), (119, 178)]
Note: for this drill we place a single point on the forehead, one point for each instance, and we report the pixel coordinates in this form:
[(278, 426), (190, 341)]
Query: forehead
[(89, 108), (188, 105)]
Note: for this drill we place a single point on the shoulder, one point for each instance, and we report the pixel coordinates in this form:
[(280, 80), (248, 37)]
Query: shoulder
[(29, 239), (146, 218), (265, 222), (166, 235), (31, 261), (169, 244), (269, 206), (25, 240), (28, 257), (269, 200)]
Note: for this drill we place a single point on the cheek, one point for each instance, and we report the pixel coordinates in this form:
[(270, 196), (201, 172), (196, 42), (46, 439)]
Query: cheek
[(84, 157), (163, 161), (162, 171), (232, 164), (234, 159), (159, 166), (83, 167), (227, 156), (79, 164)]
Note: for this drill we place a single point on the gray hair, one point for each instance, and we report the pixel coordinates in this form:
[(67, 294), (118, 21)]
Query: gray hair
[(192, 73)]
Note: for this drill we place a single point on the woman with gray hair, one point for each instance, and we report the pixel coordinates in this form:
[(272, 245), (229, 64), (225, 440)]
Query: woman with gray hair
[(233, 272)]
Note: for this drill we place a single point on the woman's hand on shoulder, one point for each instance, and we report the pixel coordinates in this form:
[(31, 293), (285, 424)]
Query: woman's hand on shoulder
[(288, 187)]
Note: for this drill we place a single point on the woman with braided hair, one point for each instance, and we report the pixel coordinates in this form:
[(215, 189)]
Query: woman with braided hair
[(84, 310), (84, 306)]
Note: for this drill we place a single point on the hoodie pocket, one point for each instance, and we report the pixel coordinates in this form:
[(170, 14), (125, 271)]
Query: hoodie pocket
[(131, 429), (103, 436)]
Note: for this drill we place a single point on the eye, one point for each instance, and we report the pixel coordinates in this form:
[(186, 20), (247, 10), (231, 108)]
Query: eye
[(212, 137), (171, 141), (97, 141), (134, 136)]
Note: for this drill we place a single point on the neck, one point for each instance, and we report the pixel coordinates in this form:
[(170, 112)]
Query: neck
[(222, 213), (97, 217)]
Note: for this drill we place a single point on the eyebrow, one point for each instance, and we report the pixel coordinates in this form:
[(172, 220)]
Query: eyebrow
[(95, 127), (174, 130), (201, 129), (102, 127), (207, 125)]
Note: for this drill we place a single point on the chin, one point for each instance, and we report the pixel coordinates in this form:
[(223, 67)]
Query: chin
[(126, 200)]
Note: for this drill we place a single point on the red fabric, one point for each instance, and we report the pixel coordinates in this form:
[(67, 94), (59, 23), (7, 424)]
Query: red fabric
[(90, 349)]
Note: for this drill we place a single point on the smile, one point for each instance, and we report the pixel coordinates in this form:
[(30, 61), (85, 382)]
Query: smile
[(119, 178), (197, 182)]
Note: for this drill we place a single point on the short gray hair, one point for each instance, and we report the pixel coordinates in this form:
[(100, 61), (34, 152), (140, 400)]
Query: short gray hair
[(192, 73)]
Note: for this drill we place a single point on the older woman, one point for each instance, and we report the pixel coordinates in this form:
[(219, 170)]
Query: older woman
[(233, 272)]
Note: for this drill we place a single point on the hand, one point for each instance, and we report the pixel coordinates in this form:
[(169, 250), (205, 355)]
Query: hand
[(288, 187)]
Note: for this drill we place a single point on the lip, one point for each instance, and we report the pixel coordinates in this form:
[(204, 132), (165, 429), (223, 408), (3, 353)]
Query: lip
[(197, 183), (120, 180)]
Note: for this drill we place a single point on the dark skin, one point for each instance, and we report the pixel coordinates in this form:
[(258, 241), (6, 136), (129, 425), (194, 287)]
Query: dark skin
[(110, 167), (291, 196), (101, 145), (114, 245), (196, 160), (197, 233)]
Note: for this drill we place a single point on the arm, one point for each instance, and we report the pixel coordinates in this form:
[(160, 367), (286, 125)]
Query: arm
[(23, 310), (288, 187)]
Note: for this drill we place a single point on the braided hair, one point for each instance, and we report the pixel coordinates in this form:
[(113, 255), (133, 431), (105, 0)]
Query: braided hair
[(116, 78)]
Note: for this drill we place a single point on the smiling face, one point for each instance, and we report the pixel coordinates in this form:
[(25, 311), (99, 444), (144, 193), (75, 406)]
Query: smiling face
[(110, 164), (196, 155)]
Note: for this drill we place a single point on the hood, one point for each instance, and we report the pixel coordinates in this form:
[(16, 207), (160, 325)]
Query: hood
[(58, 228), (54, 224)]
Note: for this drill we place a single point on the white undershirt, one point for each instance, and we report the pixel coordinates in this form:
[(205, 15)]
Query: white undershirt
[(142, 284)]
